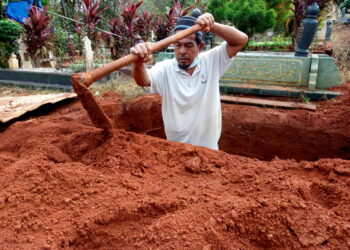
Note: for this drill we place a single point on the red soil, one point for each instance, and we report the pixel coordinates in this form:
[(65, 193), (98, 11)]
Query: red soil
[(64, 185)]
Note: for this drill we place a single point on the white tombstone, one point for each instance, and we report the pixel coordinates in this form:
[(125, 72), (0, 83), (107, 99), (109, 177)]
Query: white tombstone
[(26, 63), (13, 62), (52, 61), (88, 53)]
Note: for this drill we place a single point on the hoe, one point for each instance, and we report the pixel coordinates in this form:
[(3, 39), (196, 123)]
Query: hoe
[(82, 81)]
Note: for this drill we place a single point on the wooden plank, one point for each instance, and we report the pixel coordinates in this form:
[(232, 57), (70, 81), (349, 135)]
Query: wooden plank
[(13, 107), (267, 103)]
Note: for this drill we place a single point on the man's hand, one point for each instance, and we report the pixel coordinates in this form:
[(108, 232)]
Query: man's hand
[(143, 50), (206, 21)]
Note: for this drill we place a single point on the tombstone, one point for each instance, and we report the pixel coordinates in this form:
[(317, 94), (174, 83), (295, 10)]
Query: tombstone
[(343, 18), (13, 62), (309, 30), (52, 61), (343, 12), (328, 31), (26, 62), (88, 53)]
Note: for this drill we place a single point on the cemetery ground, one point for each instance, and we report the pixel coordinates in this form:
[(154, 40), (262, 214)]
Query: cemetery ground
[(281, 179)]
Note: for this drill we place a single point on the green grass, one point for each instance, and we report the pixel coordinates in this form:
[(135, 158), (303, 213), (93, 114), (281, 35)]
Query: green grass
[(122, 84), (305, 99)]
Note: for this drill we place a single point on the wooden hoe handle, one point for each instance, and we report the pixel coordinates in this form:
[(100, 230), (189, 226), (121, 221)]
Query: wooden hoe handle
[(99, 73), (82, 81)]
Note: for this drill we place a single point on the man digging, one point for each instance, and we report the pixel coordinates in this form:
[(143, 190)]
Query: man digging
[(189, 83)]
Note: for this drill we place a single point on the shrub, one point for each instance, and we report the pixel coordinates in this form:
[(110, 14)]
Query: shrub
[(129, 27), (38, 34), (250, 16), (164, 24), (92, 19), (10, 32)]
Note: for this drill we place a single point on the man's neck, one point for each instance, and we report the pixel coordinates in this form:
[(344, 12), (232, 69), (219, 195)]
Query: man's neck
[(191, 70)]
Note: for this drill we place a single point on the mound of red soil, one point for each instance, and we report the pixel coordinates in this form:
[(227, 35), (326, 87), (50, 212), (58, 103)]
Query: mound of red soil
[(63, 184)]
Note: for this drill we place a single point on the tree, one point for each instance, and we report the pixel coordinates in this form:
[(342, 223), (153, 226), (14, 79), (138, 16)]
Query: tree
[(250, 16), (283, 11), (2, 8), (345, 4), (299, 10)]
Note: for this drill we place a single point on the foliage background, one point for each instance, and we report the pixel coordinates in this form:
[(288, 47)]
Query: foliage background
[(9, 33)]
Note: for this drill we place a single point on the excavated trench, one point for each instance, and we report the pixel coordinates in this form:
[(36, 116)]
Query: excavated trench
[(254, 132)]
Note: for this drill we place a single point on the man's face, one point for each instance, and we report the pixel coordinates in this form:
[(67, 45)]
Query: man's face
[(186, 50)]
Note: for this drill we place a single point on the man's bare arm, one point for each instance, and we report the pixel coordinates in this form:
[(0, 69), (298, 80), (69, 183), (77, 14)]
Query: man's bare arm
[(138, 69), (140, 75), (236, 39)]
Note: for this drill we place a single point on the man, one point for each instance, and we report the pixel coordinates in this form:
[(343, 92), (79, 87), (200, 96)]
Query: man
[(189, 83)]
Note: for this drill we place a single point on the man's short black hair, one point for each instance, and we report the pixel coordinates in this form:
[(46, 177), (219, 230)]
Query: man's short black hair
[(186, 22)]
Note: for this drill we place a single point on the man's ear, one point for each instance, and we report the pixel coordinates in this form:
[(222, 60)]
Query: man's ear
[(201, 46)]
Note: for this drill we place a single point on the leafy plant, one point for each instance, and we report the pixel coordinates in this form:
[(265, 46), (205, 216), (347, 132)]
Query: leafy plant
[(145, 25), (165, 23), (345, 4), (9, 33), (305, 99), (250, 16), (92, 19), (130, 18), (38, 34), (283, 11), (130, 27), (298, 8), (178, 12)]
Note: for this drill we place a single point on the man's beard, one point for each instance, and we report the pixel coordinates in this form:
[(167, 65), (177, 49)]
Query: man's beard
[(191, 65), (181, 66)]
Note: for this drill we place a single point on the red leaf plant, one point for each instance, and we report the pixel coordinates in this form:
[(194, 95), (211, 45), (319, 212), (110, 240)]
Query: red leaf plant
[(129, 27), (38, 35), (164, 24), (145, 25), (92, 19)]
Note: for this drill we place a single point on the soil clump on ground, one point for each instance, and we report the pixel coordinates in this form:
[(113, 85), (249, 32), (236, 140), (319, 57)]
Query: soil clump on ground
[(66, 185)]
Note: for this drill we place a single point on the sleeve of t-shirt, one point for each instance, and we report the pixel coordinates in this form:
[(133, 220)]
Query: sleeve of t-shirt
[(156, 76), (219, 58)]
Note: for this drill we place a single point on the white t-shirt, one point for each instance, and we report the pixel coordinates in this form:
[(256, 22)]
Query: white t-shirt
[(191, 106)]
